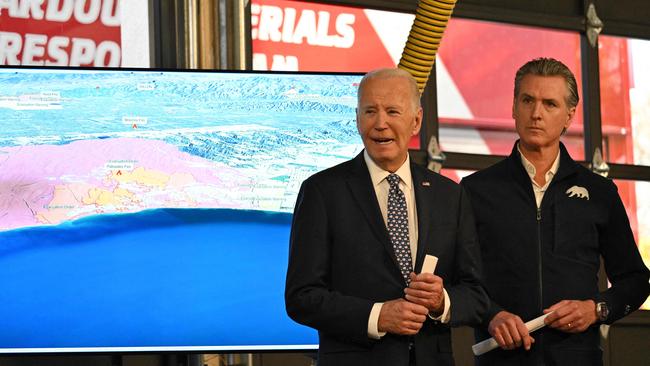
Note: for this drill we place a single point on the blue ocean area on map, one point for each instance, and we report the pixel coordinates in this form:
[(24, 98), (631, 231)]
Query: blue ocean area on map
[(159, 277)]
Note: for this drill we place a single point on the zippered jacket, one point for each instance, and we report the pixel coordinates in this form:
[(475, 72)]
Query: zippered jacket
[(534, 258)]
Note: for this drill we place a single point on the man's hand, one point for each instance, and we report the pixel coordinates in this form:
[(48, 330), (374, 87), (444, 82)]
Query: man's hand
[(401, 317), (571, 316), (510, 331), (426, 290)]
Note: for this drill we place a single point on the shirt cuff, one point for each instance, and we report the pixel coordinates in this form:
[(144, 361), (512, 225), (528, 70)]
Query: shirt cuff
[(373, 322), (446, 313)]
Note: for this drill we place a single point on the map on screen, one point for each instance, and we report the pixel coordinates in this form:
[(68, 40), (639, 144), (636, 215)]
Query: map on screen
[(139, 204)]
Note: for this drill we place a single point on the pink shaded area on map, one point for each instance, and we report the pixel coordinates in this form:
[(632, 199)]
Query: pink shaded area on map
[(29, 174)]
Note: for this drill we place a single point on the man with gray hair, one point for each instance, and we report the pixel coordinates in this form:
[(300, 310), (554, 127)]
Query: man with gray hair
[(543, 222), (360, 234)]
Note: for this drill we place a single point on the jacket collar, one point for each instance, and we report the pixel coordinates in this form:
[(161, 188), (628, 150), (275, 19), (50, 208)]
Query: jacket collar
[(567, 168), (567, 164)]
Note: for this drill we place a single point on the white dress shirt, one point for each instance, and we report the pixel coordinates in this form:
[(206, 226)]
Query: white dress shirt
[(530, 169), (381, 187)]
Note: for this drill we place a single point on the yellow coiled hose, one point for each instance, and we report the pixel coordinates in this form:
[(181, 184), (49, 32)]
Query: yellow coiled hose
[(419, 54)]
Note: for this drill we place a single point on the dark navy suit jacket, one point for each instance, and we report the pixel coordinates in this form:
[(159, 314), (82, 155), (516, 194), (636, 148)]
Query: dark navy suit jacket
[(341, 262)]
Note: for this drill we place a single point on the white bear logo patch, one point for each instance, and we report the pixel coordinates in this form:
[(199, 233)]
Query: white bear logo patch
[(579, 192)]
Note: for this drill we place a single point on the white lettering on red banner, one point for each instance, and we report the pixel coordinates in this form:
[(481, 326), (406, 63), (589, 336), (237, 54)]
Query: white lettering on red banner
[(294, 26), (60, 32), (310, 36), (289, 26)]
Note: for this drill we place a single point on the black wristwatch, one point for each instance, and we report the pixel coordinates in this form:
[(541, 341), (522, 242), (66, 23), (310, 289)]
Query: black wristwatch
[(602, 311)]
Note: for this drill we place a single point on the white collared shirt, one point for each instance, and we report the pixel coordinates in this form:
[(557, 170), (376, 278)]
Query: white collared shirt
[(381, 187), (531, 170)]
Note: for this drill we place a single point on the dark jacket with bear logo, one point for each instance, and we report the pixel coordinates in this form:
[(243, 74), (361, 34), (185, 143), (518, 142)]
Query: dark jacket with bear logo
[(534, 258)]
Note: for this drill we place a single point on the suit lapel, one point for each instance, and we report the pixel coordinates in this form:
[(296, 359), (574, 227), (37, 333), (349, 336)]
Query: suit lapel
[(426, 206), (360, 185)]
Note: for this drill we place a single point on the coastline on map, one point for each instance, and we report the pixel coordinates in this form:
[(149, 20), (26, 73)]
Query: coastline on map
[(87, 229)]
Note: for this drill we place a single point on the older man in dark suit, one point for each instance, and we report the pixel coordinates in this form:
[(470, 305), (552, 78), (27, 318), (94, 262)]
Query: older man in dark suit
[(360, 233)]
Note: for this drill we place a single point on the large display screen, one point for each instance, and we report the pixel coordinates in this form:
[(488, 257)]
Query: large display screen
[(150, 210)]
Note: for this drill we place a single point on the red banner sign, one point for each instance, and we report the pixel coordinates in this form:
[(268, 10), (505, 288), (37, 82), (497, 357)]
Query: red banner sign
[(303, 36), (60, 32)]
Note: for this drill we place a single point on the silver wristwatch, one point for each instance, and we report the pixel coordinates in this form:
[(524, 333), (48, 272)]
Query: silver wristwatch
[(602, 311)]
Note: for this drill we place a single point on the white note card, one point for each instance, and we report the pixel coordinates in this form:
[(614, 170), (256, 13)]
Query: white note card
[(491, 343), (429, 265)]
